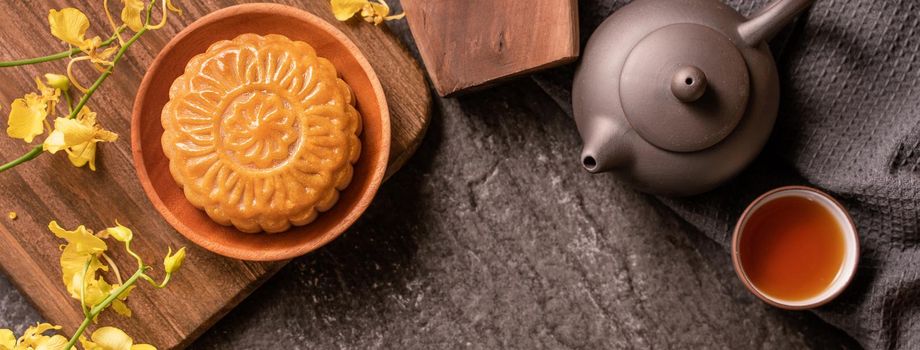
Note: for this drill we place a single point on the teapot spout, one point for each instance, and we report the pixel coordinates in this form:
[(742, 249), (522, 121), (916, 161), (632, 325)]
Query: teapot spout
[(605, 149), (769, 20)]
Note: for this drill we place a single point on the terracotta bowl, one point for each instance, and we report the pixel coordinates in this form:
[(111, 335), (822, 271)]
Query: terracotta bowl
[(153, 166)]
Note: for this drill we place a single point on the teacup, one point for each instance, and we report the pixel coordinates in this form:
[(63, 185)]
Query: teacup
[(785, 250)]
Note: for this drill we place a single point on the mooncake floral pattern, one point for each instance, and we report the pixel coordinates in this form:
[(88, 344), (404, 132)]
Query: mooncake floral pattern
[(261, 133)]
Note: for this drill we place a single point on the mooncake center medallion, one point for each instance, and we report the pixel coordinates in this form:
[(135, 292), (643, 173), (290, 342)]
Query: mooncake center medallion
[(259, 130)]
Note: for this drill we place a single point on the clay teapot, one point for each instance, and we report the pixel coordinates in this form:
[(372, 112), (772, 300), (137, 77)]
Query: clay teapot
[(678, 96)]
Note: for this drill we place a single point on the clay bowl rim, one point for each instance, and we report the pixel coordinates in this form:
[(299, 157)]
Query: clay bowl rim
[(736, 246), (376, 168)]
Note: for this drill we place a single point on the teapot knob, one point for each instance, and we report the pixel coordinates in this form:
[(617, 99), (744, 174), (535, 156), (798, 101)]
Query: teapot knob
[(688, 83)]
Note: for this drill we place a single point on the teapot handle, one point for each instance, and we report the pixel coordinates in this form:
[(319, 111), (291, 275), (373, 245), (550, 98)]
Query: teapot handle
[(769, 20)]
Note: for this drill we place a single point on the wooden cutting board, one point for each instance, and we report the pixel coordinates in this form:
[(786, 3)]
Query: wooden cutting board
[(49, 188), (470, 44)]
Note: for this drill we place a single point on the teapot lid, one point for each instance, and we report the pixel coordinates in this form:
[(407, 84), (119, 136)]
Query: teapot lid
[(684, 87)]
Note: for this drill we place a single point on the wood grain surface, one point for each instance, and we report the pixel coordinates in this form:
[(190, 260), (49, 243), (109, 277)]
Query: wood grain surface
[(469, 44), (49, 188)]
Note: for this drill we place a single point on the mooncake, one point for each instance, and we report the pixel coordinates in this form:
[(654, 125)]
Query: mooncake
[(261, 133)]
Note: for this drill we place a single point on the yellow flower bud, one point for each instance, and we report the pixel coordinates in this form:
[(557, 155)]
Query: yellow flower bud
[(120, 233), (57, 81), (174, 262)]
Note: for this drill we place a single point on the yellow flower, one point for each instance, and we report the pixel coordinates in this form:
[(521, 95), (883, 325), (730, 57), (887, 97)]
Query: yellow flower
[(57, 81), (172, 262), (371, 11), (7, 339), (35, 339), (27, 114), (121, 233), (70, 25), (79, 278), (111, 338), (131, 14), (78, 137)]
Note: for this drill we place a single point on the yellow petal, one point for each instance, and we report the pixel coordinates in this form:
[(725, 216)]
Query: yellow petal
[(74, 131), (131, 14), (345, 9), (48, 93), (54, 142), (121, 308), (119, 304), (379, 9), (143, 347), (120, 233), (87, 116), (173, 8), (27, 116), (111, 338), (68, 133), (90, 289), (57, 81), (87, 344), (83, 154), (101, 57), (81, 238), (375, 12), (55, 342), (90, 45), (173, 262), (70, 25), (34, 336), (72, 269), (7, 339)]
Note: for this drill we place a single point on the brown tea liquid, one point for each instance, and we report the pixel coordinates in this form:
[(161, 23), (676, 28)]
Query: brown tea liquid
[(792, 248)]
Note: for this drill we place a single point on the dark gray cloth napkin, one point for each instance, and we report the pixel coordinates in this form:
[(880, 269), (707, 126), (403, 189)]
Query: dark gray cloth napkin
[(849, 123)]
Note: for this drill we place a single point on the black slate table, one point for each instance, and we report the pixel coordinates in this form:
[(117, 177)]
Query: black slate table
[(493, 237)]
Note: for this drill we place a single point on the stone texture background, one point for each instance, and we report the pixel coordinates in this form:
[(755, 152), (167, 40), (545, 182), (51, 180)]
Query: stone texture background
[(493, 237)]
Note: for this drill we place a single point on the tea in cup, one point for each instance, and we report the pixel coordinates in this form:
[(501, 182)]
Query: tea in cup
[(795, 247)]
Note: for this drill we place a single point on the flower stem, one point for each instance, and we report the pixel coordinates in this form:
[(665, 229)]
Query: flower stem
[(57, 56), (105, 74), (69, 99), (102, 306), (37, 150), (83, 287)]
